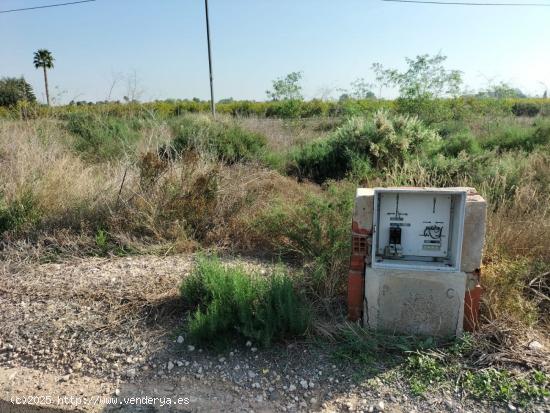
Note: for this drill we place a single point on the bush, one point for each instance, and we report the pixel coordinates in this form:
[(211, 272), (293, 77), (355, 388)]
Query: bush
[(175, 202), (102, 138), (231, 302), (380, 141), (461, 142), (286, 109), (526, 109), (224, 140), (429, 110)]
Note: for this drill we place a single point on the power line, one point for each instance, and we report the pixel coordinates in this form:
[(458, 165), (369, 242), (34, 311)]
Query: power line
[(455, 3), (46, 6)]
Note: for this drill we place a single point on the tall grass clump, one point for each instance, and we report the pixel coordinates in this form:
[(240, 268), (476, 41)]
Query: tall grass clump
[(364, 143), (100, 138), (224, 140), (44, 186), (230, 302), (517, 136)]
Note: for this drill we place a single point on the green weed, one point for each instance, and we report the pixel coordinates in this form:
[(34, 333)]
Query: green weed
[(231, 302), (18, 214), (100, 138), (500, 385), (102, 241)]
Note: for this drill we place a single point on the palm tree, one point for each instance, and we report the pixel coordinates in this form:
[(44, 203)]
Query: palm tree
[(43, 58)]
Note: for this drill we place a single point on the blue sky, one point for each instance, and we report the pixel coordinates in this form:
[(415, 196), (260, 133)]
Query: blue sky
[(162, 44)]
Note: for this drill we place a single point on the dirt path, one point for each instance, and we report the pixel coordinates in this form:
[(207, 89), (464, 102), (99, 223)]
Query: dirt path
[(104, 331)]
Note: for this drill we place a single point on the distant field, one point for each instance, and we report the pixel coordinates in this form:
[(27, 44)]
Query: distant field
[(437, 109)]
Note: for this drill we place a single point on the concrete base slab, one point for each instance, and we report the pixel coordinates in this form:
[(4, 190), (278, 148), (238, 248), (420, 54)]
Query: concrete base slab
[(414, 302)]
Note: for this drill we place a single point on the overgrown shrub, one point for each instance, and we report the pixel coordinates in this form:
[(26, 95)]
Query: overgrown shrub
[(232, 302), (174, 202), (315, 231), (380, 141), (461, 142), (528, 108), (226, 141), (101, 138)]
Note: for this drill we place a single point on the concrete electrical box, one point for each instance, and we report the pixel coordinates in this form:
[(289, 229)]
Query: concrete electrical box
[(416, 257), (418, 229)]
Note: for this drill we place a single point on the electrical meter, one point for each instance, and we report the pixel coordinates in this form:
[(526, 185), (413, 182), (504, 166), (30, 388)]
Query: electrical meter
[(418, 229)]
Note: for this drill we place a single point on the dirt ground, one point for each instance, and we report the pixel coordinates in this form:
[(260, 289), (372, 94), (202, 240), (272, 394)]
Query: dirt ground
[(104, 334)]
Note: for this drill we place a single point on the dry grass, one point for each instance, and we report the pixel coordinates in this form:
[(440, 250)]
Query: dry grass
[(283, 134)]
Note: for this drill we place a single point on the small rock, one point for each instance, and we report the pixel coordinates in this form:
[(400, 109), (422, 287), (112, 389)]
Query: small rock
[(77, 366), (117, 392), (221, 359), (190, 348), (131, 373), (179, 340), (304, 384), (511, 407), (292, 387), (170, 365), (274, 395), (253, 349), (380, 406), (535, 345), (66, 377), (248, 343)]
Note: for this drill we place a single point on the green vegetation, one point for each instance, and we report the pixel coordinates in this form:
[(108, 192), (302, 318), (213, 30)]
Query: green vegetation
[(19, 213), (225, 141), (315, 231), (102, 138), (287, 88), (364, 144), (427, 371), (14, 90), (232, 302)]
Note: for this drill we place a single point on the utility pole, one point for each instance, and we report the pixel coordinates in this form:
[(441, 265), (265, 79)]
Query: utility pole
[(212, 104)]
